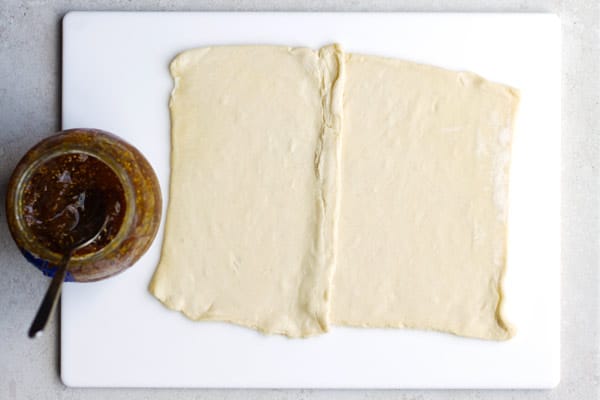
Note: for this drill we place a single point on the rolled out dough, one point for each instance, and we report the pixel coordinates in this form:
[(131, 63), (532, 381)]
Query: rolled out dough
[(422, 228), (252, 234), (250, 225)]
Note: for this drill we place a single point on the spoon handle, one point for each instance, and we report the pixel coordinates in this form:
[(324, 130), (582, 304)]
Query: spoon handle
[(50, 299)]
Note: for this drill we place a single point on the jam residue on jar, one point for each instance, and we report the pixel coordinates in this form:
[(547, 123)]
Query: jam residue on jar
[(55, 197)]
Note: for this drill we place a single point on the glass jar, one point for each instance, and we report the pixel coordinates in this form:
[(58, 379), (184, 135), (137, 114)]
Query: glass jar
[(128, 180)]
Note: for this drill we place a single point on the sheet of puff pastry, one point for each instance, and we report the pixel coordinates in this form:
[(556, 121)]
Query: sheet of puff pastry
[(424, 189), (249, 234)]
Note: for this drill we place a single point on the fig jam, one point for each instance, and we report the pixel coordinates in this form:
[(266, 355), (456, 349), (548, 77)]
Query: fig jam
[(83, 184), (56, 195)]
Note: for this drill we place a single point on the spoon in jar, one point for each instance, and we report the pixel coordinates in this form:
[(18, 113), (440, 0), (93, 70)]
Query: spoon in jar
[(87, 229)]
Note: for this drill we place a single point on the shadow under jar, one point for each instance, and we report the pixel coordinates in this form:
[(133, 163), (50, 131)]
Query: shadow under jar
[(47, 196)]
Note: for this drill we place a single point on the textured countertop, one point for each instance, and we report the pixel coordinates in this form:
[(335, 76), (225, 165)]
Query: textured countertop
[(30, 48)]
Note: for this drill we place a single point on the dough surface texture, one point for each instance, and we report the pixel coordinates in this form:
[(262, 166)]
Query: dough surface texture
[(249, 234), (424, 180)]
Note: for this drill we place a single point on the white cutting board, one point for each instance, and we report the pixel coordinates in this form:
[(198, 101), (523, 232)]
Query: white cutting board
[(114, 333)]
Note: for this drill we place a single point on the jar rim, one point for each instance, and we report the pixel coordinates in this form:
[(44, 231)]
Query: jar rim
[(32, 244)]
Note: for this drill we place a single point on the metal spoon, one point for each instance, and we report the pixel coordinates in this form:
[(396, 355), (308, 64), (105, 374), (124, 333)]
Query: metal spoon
[(90, 226)]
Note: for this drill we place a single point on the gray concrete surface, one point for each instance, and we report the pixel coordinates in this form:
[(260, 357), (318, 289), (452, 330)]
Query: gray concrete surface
[(30, 67)]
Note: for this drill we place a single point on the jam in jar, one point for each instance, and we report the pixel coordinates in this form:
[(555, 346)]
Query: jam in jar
[(56, 185)]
